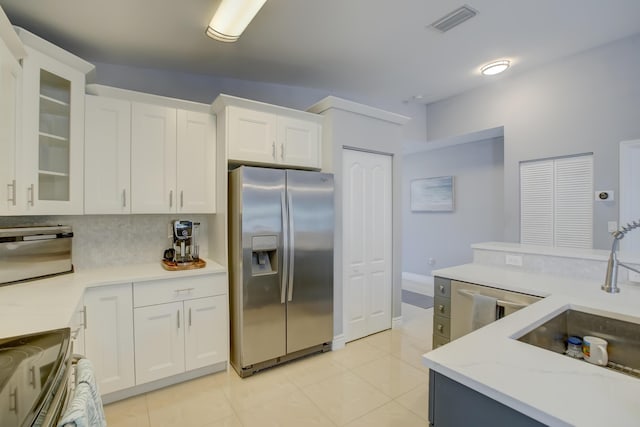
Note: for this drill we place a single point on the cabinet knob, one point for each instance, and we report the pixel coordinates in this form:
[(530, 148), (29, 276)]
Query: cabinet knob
[(442, 289), (440, 328), (441, 308)]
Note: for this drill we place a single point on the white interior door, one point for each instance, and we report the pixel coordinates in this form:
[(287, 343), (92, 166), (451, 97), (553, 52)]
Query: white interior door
[(367, 243)]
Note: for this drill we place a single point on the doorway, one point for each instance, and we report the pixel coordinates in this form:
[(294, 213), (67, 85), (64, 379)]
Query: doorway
[(367, 242)]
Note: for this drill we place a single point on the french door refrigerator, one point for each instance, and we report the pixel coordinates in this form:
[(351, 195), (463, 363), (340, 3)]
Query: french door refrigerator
[(280, 265)]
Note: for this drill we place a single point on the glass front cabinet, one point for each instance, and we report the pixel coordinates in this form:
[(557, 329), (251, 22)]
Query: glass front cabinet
[(53, 128)]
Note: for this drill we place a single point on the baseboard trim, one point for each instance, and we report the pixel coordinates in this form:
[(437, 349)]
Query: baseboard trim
[(396, 322), (419, 283), (339, 342)]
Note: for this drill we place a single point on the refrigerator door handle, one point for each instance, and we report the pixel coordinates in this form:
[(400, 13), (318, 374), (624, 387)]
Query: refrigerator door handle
[(291, 246), (285, 249)]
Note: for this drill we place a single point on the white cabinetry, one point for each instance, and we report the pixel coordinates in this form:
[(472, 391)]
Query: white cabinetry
[(107, 157), (144, 158), (109, 335), (180, 325), (258, 133), (51, 161), (10, 105)]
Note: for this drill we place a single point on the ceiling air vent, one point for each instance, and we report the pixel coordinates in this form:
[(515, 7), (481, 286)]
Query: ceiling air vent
[(454, 18)]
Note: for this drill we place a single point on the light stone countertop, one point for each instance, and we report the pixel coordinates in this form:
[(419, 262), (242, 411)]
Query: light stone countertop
[(551, 388), (50, 303)]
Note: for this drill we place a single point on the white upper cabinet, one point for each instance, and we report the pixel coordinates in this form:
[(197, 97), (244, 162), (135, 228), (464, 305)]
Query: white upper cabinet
[(258, 133), (153, 159), (51, 161), (148, 158), (196, 160), (251, 135), (10, 104), (107, 157), (299, 142)]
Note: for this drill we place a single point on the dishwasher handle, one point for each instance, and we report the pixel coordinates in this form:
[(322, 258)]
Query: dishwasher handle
[(499, 302)]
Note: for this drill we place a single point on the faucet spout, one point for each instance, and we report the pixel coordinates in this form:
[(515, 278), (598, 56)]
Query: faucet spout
[(611, 279)]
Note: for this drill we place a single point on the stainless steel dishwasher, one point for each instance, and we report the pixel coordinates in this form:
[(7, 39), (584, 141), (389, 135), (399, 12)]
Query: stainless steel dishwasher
[(454, 306)]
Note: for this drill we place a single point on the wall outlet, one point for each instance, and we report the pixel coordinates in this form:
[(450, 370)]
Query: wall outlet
[(634, 277), (513, 260), (612, 226)]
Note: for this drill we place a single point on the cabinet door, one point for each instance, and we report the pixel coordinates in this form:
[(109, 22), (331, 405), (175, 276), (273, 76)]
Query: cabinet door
[(107, 157), (10, 81), (159, 341), (53, 136), (298, 142), (251, 135), (196, 162), (206, 331), (109, 336), (153, 159)]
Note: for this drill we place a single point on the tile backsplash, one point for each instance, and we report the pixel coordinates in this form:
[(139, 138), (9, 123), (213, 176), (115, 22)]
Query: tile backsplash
[(111, 240)]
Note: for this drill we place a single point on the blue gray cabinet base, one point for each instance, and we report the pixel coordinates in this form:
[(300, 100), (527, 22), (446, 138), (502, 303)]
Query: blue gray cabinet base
[(452, 404)]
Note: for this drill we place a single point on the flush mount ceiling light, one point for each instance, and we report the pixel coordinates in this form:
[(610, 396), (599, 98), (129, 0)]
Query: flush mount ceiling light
[(231, 19), (496, 67)]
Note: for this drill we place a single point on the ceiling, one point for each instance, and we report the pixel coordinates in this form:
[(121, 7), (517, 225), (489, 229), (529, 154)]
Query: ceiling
[(372, 48)]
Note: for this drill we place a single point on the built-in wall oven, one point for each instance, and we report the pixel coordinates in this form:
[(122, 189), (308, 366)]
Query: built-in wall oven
[(35, 378), (462, 307)]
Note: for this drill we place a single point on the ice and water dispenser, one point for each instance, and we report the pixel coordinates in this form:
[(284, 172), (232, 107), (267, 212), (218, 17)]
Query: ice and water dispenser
[(264, 255)]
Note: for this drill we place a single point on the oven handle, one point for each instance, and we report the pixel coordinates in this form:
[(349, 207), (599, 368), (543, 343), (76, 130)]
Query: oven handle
[(499, 303), (60, 399)]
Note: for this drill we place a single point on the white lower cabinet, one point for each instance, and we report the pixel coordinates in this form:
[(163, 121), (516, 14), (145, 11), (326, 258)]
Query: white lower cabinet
[(109, 336), (180, 325)]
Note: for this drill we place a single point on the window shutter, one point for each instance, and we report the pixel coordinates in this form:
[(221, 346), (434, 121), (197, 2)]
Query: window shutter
[(574, 202), (536, 203)]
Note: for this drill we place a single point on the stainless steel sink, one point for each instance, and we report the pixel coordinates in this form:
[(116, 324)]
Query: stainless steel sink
[(623, 337)]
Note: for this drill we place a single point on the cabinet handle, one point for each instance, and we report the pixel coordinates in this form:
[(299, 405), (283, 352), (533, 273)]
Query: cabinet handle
[(440, 328), (442, 289), (282, 151), (13, 398), (189, 317), (124, 198), (84, 316), (181, 199), (179, 291), (178, 317), (12, 192), (32, 377), (30, 191), (441, 308), (273, 150), (171, 198)]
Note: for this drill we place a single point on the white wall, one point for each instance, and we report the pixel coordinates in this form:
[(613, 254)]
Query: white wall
[(585, 103), (446, 237)]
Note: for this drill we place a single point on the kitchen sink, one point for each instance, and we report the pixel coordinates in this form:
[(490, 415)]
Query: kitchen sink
[(623, 337)]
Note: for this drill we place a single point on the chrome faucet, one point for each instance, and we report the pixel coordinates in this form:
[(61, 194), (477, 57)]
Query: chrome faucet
[(611, 280)]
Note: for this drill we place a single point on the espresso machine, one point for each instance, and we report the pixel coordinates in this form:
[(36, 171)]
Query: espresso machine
[(183, 235)]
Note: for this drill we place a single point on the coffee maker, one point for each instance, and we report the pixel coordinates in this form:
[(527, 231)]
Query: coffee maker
[(183, 235)]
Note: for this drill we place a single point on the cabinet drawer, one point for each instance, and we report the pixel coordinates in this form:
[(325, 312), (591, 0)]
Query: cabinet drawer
[(442, 306), (439, 341), (170, 290), (441, 326), (442, 287)]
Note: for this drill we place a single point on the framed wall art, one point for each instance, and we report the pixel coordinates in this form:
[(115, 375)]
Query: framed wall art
[(432, 194)]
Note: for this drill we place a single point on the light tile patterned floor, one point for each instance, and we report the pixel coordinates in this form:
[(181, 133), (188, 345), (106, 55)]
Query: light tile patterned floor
[(378, 381)]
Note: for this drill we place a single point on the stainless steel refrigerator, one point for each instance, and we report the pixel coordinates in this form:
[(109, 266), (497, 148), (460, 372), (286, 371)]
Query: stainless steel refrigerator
[(280, 264)]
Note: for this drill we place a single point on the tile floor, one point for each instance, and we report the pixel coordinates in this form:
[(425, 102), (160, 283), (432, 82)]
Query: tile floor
[(376, 381)]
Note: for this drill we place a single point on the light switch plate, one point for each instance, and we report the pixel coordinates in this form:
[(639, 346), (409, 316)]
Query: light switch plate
[(513, 260), (634, 277)]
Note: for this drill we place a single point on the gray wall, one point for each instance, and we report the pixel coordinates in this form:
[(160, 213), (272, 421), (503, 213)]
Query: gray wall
[(446, 237), (585, 103), (204, 88)]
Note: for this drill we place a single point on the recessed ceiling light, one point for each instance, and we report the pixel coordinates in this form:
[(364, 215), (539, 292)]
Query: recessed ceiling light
[(496, 67)]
